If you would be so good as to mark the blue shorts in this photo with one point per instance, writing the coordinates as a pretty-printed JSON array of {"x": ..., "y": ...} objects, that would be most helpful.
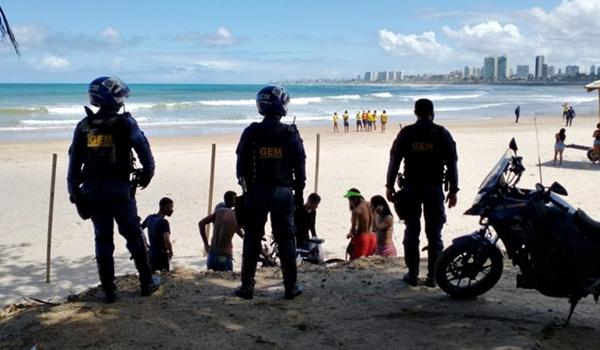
[{"x": 219, "y": 262}]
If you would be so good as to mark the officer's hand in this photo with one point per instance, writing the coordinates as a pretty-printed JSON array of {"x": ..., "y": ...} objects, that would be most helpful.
[
  {"x": 451, "y": 199},
  {"x": 389, "y": 194},
  {"x": 144, "y": 179},
  {"x": 170, "y": 254}
]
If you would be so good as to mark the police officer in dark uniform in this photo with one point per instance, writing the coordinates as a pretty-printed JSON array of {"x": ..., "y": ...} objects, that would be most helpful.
[
  {"x": 427, "y": 149},
  {"x": 270, "y": 164},
  {"x": 100, "y": 164}
]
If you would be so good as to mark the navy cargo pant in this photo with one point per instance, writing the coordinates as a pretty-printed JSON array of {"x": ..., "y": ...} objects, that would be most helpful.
[
  {"x": 112, "y": 201},
  {"x": 429, "y": 200},
  {"x": 279, "y": 202}
]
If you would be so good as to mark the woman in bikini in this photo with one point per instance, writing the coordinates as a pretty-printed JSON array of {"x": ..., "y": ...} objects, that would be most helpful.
[
  {"x": 383, "y": 226},
  {"x": 559, "y": 145}
]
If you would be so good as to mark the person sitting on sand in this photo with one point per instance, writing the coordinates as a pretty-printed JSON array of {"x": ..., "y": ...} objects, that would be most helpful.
[
  {"x": 596, "y": 136},
  {"x": 220, "y": 251},
  {"x": 383, "y": 224},
  {"x": 305, "y": 218},
  {"x": 362, "y": 240},
  {"x": 159, "y": 236},
  {"x": 559, "y": 145}
]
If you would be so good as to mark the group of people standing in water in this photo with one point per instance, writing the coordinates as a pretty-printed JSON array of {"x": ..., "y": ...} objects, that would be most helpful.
[{"x": 365, "y": 121}]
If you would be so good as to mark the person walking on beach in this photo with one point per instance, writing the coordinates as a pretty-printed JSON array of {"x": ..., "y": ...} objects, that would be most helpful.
[
  {"x": 270, "y": 164},
  {"x": 517, "y": 113},
  {"x": 570, "y": 116},
  {"x": 426, "y": 148},
  {"x": 335, "y": 122},
  {"x": 305, "y": 219},
  {"x": 596, "y": 136},
  {"x": 565, "y": 107},
  {"x": 359, "y": 121},
  {"x": 159, "y": 236},
  {"x": 220, "y": 249},
  {"x": 100, "y": 165},
  {"x": 383, "y": 224},
  {"x": 345, "y": 117},
  {"x": 362, "y": 240},
  {"x": 559, "y": 145},
  {"x": 384, "y": 120}
]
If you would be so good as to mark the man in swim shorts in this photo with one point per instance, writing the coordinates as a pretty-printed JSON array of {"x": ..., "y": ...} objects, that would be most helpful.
[{"x": 363, "y": 241}]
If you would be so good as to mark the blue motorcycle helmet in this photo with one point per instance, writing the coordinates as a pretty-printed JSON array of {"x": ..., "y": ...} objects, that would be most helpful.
[
  {"x": 272, "y": 101},
  {"x": 108, "y": 92}
]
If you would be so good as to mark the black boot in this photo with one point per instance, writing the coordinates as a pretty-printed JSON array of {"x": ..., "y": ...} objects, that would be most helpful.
[
  {"x": 289, "y": 270},
  {"x": 246, "y": 290},
  {"x": 106, "y": 272},
  {"x": 148, "y": 283},
  {"x": 432, "y": 256},
  {"x": 411, "y": 259}
]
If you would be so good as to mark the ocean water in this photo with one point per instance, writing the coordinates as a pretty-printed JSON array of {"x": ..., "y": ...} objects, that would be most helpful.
[{"x": 34, "y": 111}]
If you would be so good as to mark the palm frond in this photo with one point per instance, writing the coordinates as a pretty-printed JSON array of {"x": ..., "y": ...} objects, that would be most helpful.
[{"x": 6, "y": 32}]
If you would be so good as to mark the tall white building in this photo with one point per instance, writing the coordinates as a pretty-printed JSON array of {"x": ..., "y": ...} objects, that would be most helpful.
[
  {"x": 467, "y": 72},
  {"x": 539, "y": 63},
  {"x": 398, "y": 75},
  {"x": 381, "y": 76},
  {"x": 593, "y": 70},
  {"x": 502, "y": 70},
  {"x": 490, "y": 68}
]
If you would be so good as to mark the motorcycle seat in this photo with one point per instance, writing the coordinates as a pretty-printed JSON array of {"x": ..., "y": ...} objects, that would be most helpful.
[
  {"x": 316, "y": 240},
  {"x": 586, "y": 224}
]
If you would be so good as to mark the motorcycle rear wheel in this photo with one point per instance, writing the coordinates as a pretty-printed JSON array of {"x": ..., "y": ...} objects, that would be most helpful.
[{"x": 466, "y": 271}]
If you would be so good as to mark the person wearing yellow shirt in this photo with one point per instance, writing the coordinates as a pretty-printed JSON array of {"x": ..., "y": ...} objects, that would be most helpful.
[
  {"x": 374, "y": 120},
  {"x": 358, "y": 121},
  {"x": 369, "y": 120},
  {"x": 384, "y": 119},
  {"x": 335, "y": 122},
  {"x": 345, "y": 117},
  {"x": 364, "y": 120}
]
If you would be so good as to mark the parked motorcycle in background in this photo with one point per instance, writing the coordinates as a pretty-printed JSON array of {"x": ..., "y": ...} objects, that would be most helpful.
[{"x": 555, "y": 246}]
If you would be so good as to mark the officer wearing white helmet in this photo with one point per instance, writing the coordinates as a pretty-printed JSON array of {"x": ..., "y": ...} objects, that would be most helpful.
[
  {"x": 270, "y": 165},
  {"x": 100, "y": 165}
]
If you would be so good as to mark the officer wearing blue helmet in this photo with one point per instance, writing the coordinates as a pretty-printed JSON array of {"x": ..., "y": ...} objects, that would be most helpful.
[
  {"x": 270, "y": 164},
  {"x": 100, "y": 165}
]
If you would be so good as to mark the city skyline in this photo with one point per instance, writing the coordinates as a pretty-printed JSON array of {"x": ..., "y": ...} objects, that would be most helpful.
[{"x": 237, "y": 41}]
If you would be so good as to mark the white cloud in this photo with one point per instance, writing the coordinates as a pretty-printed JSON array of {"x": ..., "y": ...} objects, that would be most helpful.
[
  {"x": 568, "y": 32},
  {"x": 487, "y": 38},
  {"x": 51, "y": 63},
  {"x": 111, "y": 36},
  {"x": 222, "y": 37},
  {"x": 116, "y": 63},
  {"x": 31, "y": 35},
  {"x": 403, "y": 45}
]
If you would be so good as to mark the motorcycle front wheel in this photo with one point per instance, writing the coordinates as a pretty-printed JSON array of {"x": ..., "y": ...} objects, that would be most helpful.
[{"x": 468, "y": 270}]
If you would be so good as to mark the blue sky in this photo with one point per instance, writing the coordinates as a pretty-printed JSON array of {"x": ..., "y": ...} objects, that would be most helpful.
[{"x": 258, "y": 41}]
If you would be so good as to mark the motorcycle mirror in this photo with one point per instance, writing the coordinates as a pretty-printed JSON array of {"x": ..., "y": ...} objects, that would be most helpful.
[
  {"x": 513, "y": 145},
  {"x": 558, "y": 189}
]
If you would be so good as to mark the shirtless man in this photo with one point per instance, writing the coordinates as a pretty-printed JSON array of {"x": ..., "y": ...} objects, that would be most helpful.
[
  {"x": 220, "y": 250},
  {"x": 362, "y": 240}
]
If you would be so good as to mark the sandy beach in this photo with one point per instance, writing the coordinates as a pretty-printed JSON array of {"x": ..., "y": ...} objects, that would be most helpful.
[{"x": 182, "y": 173}]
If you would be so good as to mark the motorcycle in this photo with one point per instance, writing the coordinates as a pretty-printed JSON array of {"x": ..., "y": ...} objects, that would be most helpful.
[
  {"x": 555, "y": 246},
  {"x": 311, "y": 253}
]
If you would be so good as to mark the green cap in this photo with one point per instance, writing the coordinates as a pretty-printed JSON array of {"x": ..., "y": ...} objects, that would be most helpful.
[{"x": 352, "y": 194}]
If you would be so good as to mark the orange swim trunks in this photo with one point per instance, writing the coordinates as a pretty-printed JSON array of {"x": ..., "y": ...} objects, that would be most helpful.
[{"x": 363, "y": 244}]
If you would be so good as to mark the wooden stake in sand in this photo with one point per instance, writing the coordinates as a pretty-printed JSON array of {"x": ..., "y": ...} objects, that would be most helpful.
[
  {"x": 50, "y": 215},
  {"x": 317, "y": 163},
  {"x": 211, "y": 186}
]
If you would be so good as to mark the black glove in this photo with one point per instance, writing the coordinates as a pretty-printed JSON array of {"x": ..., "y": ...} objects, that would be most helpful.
[
  {"x": 299, "y": 198},
  {"x": 144, "y": 179}
]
